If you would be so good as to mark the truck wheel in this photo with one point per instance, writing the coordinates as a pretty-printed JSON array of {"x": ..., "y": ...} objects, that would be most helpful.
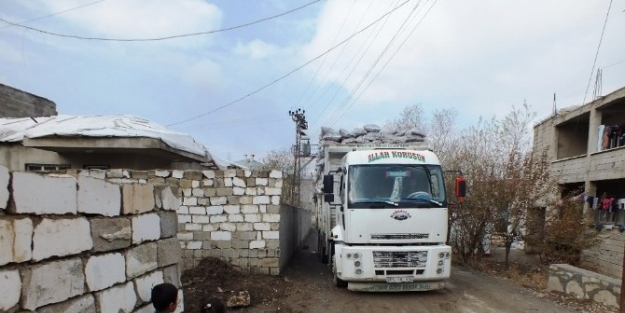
[{"x": 336, "y": 280}]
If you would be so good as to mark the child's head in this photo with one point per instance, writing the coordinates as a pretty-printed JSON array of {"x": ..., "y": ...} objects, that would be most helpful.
[
  {"x": 214, "y": 305},
  {"x": 165, "y": 297}
]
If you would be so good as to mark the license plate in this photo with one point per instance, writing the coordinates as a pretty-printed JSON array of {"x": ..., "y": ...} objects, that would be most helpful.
[{"x": 403, "y": 279}]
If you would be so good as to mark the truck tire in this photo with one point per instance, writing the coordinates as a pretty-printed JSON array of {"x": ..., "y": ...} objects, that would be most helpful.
[{"x": 335, "y": 279}]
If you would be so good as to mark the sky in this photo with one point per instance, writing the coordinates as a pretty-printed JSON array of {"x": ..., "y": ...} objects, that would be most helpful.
[{"x": 363, "y": 64}]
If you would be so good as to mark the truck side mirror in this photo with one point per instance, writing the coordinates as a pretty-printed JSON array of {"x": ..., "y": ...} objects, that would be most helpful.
[
  {"x": 328, "y": 198},
  {"x": 328, "y": 184},
  {"x": 461, "y": 188}
]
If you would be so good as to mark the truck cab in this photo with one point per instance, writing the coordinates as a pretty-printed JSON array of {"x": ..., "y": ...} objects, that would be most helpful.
[{"x": 386, "y": 221}]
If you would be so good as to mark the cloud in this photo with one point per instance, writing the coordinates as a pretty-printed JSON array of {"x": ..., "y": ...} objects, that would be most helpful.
[
  {"x": 205, "y": 75},
  {"x": 480, "y": 57},
  {"x": 258, "y": 49}
]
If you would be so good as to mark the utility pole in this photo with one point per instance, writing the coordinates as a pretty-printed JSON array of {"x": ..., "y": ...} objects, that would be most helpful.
[{"x": 301, "y": 125}]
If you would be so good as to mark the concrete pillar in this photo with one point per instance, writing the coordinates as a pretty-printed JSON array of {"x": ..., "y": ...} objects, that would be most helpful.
[{"x": 593, "y": 134}]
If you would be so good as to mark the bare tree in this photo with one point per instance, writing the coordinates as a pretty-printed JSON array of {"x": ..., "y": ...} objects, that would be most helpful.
[
  {"x": 411, "y": 117},
  {"x": 284, "y": 161}
]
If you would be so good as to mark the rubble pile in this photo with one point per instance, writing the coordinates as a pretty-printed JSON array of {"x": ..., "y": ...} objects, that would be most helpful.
[{"x": 369, "y": 134}]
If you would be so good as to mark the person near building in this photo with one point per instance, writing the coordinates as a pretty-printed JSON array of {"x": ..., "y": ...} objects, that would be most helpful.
[{"x": 164, "y": 298}]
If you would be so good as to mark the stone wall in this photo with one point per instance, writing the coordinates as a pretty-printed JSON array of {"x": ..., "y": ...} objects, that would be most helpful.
[
  {"x": 607, "y": 257},
  {"x": 77, "y": 243},
  {"x": 233, "y": 215},
  {"x": 584, "y": 284},
  {"x": 17, "y": 103}
]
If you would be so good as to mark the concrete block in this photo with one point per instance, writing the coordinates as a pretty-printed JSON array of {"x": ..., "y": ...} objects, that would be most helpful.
[
  {"x": 275, "y": 174},
  {"x": 246, "y": 200},
  {"x": 39, "y": 194},
  {"x": 168, "y": 251},
  {"x": 180, "y": 307},
  {"x": 96, "y": 196},
  {"x": 84, "y": 304},
  {"x": 219, "y": 218},
  {"x": 275, "y": 200},
  {"x": 171, "y": 274},
  {"x": 272, "y": 191},
  {"x": 232, "y": 209},
  {"x": 261, "y": 200},
  {"x": 227, "y": 182},
  {"x": 190, "y": 201},
  {"x": 230, "y": 173},
  {"x": 194, "y": 245},
  {"x": 207, "y": 183},
  {"x": 138, "y": 199},
  {"x": 198, "y": 192},
  {"x": 184, "y": 236},
  {"x": 215, "y": 209},
  {"x": 110, "y": 233},
  {"x": 210, "y": 227},
  {"x": 162, "y": 173},
  {"x": 198, "y": 210},
  {"x": 149, "y": 308},
  {"x": 201, "y": 219},
  {"x": 262, "y": 208},
  {"x": 209, "y": 174},
  {"x": 5, "y": 177},
  {"x": 249, "y": 208},
  {"x": 170, "y": 201},
  {"x": 235, "y": 218},
  {"x": 273, "y": 243},
  {"x": 15, "y": 240},
  {"x": 61, "y": 237},
  {"x": 278, "y": 183},
  {"x": 238, "y": 191},
  {"x": 183, "y": 219},
  {"x": 271, "y": 235},
  {"x": 104, "y": 271},
  {"x": 221, "y": 235},
  {"x": 218, "y": 200},
  {"x": 192, "y": 227},
  {"x": 195, "y": 184},
  {"x": 261, "y": 181},
  {"x": 271, "y": 218},
  {"x": 119, "y": 299},
  {"x": 169, "y": 223},
  {"x": 244, "y": 226},
  {"x": 257, "y": 244},
  {"x": 262, "y": 226},
  {"x": 177, "y": 174},
  {"x": 238, "y": 182},
  {"x": 145, "y": 283},
  {"x": 146, "y": 227},
  {"x": 273, "y": 209},
  {"x": 250, "y": 191},
  {"x": 141, "y": 259},
  {"x": 52, "y": 283},
  {"x": 260, "y": 191},
  {"x": 183, "y": 210},
  {"x": 187, "y": 192},
  {"x": 10, "y": 286},
  {"x": 228, "y": 227},
  {"x": 252, "y": 218}
]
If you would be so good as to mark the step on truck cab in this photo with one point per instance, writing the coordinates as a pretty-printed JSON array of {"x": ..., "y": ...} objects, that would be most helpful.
[{"x": 382, "y": 218}]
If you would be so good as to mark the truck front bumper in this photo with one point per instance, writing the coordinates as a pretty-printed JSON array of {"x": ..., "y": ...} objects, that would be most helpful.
[{"x": 409, "y": 267}]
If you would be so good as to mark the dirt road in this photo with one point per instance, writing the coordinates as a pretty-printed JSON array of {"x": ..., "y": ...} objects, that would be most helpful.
[{"x": 468, "y": 291}]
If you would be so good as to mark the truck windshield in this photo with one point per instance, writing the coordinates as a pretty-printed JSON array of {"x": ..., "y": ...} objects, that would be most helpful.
[{"x": 373, "y": 186}]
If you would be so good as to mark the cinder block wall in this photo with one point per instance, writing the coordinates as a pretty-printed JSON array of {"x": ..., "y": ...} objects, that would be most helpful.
[
  {"x": 607, "y": 257},
  {"x": 77, "y": 243}
]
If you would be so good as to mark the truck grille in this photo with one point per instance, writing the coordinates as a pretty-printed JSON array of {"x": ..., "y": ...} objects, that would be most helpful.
[
  {"x": 399, "y": 236},
  {"x": 396, "y": 259}
]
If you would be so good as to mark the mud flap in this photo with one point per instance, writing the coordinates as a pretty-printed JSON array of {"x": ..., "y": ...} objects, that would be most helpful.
[{"x": 385, "y": 287}]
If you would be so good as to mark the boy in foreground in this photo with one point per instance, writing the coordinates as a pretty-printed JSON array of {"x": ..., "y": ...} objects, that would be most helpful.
[{"x": 165, "y": 298}]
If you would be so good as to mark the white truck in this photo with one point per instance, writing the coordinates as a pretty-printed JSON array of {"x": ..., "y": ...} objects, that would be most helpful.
[{"x": 382, "y": 217}]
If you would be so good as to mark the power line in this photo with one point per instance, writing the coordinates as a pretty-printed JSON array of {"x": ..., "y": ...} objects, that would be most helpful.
[
  {"x": 292, "y": 71},
  {"x": 355, "y": 66},
  {"x": 51, "y": 15},
  {"x": 161, "y": 38},
  {"x": 325, "y": 57},
  {"x": 616, "y": 63},
  {"x": 334, "y": 117},
  {"x": 388, "y": 61}
]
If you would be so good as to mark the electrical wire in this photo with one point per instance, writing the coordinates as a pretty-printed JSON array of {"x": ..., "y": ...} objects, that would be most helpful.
[
  {"x": 354, "y": 68},
  {"x": 292, "y": 71},
  {"x": 388, "y": 61},
  {"x": 332, "y": 120},
  {"x": 613, "y": 64},
  {"x": 51, "y": 15},
  {"x": 160, "y": 38},
  {"x": 337, "y": 59},
  {"x": 325, "y": 57}
]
